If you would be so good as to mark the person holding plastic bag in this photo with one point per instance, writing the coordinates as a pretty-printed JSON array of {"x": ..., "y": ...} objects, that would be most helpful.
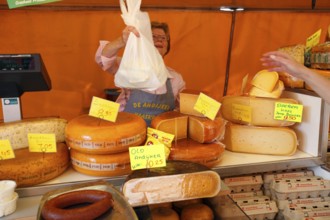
[{"x": 143, "y": 102}]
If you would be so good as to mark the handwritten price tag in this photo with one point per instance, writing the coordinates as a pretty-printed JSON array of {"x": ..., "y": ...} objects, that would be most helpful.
[
  {"x": 207, "y": 106},
  {"x": 6, "y": 151},
  {"x": 147, "y": 156},
  {"x": 42, "y": 143},
  {"x": 288, "y": 112},
  {"x": 104, "y": 109},
  {"x": 313, "y": 40},
  {"x": 241, "y": 112}
]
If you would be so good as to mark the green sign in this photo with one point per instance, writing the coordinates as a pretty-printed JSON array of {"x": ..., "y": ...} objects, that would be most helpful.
[{"x": 23, "y": 3}]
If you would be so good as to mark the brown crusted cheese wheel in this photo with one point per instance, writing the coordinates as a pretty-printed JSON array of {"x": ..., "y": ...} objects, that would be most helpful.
[
  {"x": 189, "y": 150},
  {"x": 164, "y": 213},
  {"x": 93, "y": 135},
  {"x": 101, "y": 165},
  {"x": 31, "y": 168},
  {"x": 197, "y": 211}
]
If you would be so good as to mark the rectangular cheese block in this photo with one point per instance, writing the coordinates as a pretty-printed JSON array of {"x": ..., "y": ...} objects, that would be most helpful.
[
  {"x": 260, "y": 140},
  {"x": 188, "y": 99},
  {"x": 17, "y": 131},
  {"x": 205, "y": 130},
  {"x": 260, "y": 110},
  {"x": 171, "y": 122}
]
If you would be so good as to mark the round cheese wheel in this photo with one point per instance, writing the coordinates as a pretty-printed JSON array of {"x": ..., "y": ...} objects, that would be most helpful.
[
  {"x": 196, "y": 212},
  {"x": 163, "y": 213},
  {"x": 31, "y": 168},
  {"x": 208, "y": 154},
  {"x": 106, "y": 165},
  {"x": 93, "y": 135}
]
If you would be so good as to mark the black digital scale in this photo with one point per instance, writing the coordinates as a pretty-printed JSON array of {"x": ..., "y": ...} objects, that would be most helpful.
[{"x": 20, "y": 73}]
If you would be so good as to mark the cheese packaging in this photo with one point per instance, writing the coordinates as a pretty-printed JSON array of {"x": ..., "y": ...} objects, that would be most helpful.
[
  {"x": 17, "y": 131},
  {"x": 92, "y": 135},
  {"x": 260, "y": 140},
  {"x": 31, "y": 168},
  {"x": 188, "y": 99},
  {"x": 207, "y": 154},
  {"x": 205, "y": 130},
  {"x": 171, "y": 122},
  {"x": 187, "y": 181},
  {"x": 265, "y": 80},
  {"x": 276, "y": 93},
  {"x": 297, "y": 52},
  {"x": 259, "y": 110}
]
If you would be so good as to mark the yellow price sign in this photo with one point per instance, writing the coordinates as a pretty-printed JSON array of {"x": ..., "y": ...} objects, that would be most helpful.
[
  {"x": 6, "y": 151},
  {"x": 104, "y": 109},
  {"x": 241, "y": 112},
  {"x": 147, "y": 156},
  {"x": 313, "y": 40},
  {"x": 207, "y": 106},
  {"x": 288, "y": 112},
  {"x": 42, "y": 143}
]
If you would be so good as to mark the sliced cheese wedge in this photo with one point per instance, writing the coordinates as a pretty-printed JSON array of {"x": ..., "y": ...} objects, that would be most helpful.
[
  {"x": 261, "y": 110},
  {"x": 188, "y": 99},
  {"x": 276, "y": 93},
  {"x": 260, "y": 140},
  {"x": 265, "y": 80},
  {"x": 17, "y": 131},
  {"x": 179, "y": 180},
  {"x": 205, "y": 130},
  {"x": 171, "y": 122}
]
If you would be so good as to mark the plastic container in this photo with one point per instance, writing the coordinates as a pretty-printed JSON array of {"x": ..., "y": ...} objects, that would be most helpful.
[
  {"x": 7, "y": 189},
  {"x": 8, "y": 207}
]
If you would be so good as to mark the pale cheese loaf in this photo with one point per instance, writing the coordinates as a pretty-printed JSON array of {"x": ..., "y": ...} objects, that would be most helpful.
[
  {"x": 17, "y": 132},
  {"x": 276, "y": 93},
  {"x": 188, "y": 99},
  {"x": 260, "y": 140},
  {"x": 31, "y": 168},
  {"x": 205, "y": 130},
  {"x": 261, "y": 110},
  {"x": 89, "y": 134},
  {"x": 106, "y": 165},
  {"x": 171, "y": 122}
]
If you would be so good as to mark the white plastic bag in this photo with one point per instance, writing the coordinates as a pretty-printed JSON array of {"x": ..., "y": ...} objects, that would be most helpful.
[{"x": 142, "y": 66}]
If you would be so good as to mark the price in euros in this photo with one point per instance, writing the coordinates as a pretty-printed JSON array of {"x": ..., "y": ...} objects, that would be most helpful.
[{"x": 153, "y": 163}]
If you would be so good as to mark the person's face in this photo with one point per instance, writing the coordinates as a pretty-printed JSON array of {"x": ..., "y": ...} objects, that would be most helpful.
[{"x": 160, "y": 40}]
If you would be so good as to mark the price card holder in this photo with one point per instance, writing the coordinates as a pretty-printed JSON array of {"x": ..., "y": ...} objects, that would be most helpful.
[
  {"x": 45, "y": 143},
  {"x": 241, "y": 112},
  {"x": 104, "y": 109},
  {"x": 288, "y": 112},
  {"x": 143, "y": 157},
  {"x": 207, "y": 106},
  {"x": 6, "y": 151}
]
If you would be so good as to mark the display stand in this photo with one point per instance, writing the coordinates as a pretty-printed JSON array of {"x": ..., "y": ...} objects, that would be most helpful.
[{"x": 20, "y": 73}]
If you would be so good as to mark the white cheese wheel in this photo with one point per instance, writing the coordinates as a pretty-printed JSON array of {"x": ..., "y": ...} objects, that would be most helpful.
[
  {"x": 261, "y": 110},
  {"x": 260, "y": 140},
  {"x": 106, "y": 165},
  {"x": 97, "y": 136},
  {"x": 205, "y": 130},
  {"x": 171, "y": 122},
  {"x": 17, "y": 131},
  {"x": 31, "y": 168},
  {"x": 208, "y": 154}
]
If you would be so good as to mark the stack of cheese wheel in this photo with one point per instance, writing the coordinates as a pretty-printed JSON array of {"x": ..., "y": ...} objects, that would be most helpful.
[
  {"x": 258, "y": 132},
  {"x": 196, "y": 137},
  {"x": 31, "y": 168},
  {"x": 99, "y": 147}
]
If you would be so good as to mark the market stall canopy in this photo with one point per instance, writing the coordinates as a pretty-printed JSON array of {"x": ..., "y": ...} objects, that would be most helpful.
[{"x": 209, "y": 4}]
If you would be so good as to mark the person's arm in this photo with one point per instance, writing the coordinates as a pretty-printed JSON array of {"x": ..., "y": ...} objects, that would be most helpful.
[
  {"x": 282, "y": 62},
  {"x": 106, "y": 54}
]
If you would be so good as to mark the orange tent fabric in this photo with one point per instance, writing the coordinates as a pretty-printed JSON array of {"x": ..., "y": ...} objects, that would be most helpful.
[{"x": 67, "y": 41}]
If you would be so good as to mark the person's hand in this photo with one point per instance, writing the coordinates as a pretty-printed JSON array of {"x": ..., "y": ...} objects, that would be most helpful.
[
  {"x": 127, "y": 31},
  {"x": 282, "y": 62}
]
